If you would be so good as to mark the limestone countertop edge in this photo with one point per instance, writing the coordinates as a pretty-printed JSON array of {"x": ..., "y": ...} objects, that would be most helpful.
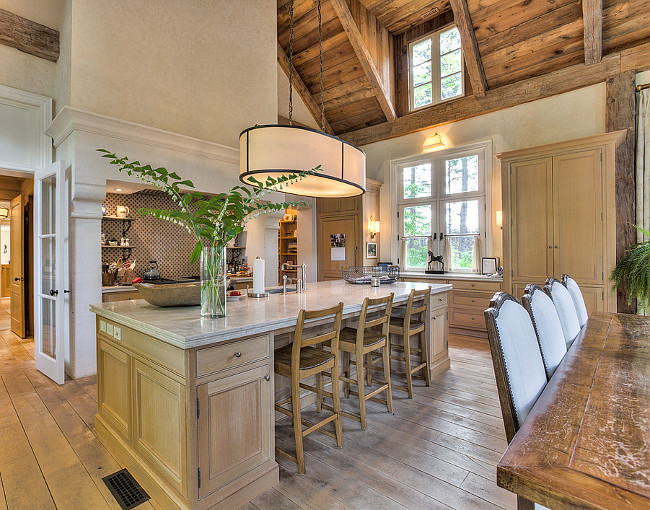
[{"x": 211, "y": 337}]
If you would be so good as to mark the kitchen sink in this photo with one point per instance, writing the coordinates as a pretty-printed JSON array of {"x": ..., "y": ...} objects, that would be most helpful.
[{"x": 279, "y": 290}]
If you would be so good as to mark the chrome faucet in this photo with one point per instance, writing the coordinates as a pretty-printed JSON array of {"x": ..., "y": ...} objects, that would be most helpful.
[
  {"x": 300, "y": 282},
  {"x": 284, "y": 284}
]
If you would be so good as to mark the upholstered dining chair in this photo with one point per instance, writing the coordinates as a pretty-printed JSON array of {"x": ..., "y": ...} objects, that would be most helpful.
[
  {"x": 518, "y": 365},
  {"x": 548, "y": 328},
  {"x": 565, "y": 309},
  {"x": 579, "y": 301}
]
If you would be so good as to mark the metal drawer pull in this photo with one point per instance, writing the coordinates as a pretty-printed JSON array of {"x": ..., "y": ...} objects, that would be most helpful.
[
  {"x": 238, "y": 354},
  {"x": 267, "y": 377}
]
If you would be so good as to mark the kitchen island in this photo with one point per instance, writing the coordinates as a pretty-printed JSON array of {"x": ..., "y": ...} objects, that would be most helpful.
[{"x": 187, "y": 403}]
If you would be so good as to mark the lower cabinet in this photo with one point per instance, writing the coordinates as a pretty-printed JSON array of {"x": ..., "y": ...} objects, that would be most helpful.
[
  {"x": 439, "y": 334},
  {"x": 228, "y": 446},
  {"x": 594, "y": 296},
  {"x": 114, "y": 387}
]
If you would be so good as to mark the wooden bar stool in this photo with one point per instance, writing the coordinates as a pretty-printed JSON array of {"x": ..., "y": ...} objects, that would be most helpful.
[
  {"x": 412, "y": 323},
  {"x": 304, "y": 358},
  {"x": 368, "y": 337}
]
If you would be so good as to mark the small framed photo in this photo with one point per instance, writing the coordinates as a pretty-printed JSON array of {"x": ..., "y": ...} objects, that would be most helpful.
[
  {"x": 371, "y": 250},
  {"x": 489, "y": 265}
]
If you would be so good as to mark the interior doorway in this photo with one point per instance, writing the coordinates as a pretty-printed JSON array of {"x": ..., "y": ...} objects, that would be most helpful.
[{"x": 16, "y": 254}]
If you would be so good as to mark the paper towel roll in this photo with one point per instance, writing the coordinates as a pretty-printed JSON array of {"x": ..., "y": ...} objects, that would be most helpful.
[{"x": 258, "y": 276}]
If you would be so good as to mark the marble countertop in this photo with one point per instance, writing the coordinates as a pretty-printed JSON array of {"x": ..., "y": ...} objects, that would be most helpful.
[
  {"x": 118, "y": 288},
  {"x": 451, "y": 276},
  {"x": 185, "y": 328}
]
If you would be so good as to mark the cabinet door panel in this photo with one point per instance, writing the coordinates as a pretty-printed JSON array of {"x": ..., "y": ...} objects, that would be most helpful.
[
  {"x": 160, "y": 423},
  {"x": 329, "y": 268},
  {"x": 114, "y": 388},
  {"x": 439, "y": 331},
  {"x": 532, "y": 219},
  {"x": 578, "y": 225},
  {"x": 593, "y": 297},
  {"x": 234, "y": 427}
]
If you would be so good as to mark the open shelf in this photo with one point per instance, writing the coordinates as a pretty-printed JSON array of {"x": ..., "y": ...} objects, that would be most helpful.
[
  {"x": 117, "y": 218},
  {"x": 118, "y": 246}
]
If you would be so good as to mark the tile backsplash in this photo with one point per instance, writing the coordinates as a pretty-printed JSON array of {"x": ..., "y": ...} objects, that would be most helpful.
[{"x": 151, "y": 238}]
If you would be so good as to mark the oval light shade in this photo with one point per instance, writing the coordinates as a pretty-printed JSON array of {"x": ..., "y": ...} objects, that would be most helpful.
[{"x": 275, "y": 150}]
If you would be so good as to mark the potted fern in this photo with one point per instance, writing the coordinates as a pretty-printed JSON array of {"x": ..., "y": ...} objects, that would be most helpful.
[
  {"x": 213, "y": 221},
  {"x": 632, "y": 273}
]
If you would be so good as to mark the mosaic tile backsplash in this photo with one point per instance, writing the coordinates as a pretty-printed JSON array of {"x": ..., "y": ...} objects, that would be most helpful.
[{"x": 151, "y": 238}]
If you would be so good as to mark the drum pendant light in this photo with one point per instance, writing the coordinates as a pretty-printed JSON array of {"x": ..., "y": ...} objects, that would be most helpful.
[{"x": 275, "y": 150}]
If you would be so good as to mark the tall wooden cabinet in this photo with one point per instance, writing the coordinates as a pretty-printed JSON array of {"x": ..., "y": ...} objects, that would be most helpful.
[
  {"x": 559, "y": 216},
  {"x": 347, "y": 216}
]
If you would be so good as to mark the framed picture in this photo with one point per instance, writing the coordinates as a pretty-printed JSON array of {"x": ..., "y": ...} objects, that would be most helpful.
[
  {"x": 371, "y": 250},
  {"x": 489, "y": 265}
]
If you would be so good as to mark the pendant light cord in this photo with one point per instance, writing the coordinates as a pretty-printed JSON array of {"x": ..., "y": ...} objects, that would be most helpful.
[
  {"x": 291, "y": 62},
  {"x": 320, "y": 54}
]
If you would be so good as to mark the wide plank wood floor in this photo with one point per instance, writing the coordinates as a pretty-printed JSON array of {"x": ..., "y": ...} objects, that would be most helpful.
[{"x": 438, "y": 450}]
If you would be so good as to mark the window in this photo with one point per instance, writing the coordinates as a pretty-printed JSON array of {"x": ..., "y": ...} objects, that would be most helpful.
[
  {"x": 440, "y": 198},
  {"x": 436, "y": 68}
]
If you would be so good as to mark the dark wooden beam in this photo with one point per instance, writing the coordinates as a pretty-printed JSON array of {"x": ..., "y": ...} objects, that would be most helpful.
[
  {"x": 365, "y": 58},
  {"x": 28, "y": 36},
  {"x": 302, "y": 90},
  {"x": 592, "y": 16},
  {"x": 470, "y": 47},
  {"x": 557, "y": 82},
  {"x": 620, "y": 111}
]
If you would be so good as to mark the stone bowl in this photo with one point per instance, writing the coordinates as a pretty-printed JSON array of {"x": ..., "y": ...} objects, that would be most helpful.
[{"x": 171, "y": 294}]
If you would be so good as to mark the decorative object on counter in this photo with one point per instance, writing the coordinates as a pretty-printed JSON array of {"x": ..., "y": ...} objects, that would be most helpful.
[
  {"x": 258, "y": 279},
  {"x": 489, "y": 265},
  {"x": 214, "y": 221},
  {"x": 375, "y": 281},
  {"x": 439, "y": 259},
  {"x": 371, "y": 250},
  {"x": 171, "y": 294},
  {"x": 122, "y": 211},
  {"x": 364, "y": 274},
  {"x": 154, "y": 271}
]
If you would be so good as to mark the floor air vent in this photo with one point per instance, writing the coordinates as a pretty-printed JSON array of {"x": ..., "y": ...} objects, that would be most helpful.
[{"x": 125, "y": 489}]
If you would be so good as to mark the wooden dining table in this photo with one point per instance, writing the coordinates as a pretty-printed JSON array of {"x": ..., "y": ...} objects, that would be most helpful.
[{"x": 586, "y": 442}]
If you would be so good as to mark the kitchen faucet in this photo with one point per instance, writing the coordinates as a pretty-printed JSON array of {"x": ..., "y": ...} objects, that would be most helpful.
[{"x": 300, "y": 282}]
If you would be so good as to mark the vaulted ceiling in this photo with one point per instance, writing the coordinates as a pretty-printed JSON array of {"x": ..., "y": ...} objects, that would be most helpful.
[{"x": 513, "y": 51}]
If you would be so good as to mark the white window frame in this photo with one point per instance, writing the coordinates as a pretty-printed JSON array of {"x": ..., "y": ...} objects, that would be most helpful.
[
  {"x": 436, "y": 92},
  {"x": 438, "y": 199}
]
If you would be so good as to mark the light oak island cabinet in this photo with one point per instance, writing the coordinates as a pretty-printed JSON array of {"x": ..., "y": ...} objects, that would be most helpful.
[{"x": 559, "y": 216}]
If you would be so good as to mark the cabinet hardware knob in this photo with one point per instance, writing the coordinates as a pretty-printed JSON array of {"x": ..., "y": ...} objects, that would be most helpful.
[
  {"x": 473, "y": 301},
  {"x": 473, "y": 318},
  {"x": 473, "y": 285},
  {"x": 238, "y": 354},
  {"x": 267, "y": 377},
  {"x": 550, "y": 247},
  {"x": 556, "y": 247}
]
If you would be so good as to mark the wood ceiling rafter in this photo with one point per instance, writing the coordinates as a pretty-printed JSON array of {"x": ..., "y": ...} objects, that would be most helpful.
[
  {"x": 365, "y": 58},
  {"x": 470, "y": 47},
  {"x": 28, "y": 36},
  {"x": 302, "y": 90},
  {"x": 592, "y": 14}
]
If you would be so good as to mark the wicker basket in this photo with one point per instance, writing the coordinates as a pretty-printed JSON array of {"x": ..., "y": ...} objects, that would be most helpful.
[{"x": 362, "y": 274}]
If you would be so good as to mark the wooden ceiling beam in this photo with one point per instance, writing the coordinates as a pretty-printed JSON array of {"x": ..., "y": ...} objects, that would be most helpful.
[
  {"x": 365, "y": 58},
  {"x": 302, "y": 90},
  {"x": 532, "y": 89},
  {"x": 592, "y": 15},
  {"x": 470, "y": 47},
  {"x": 28, "y": 36}
]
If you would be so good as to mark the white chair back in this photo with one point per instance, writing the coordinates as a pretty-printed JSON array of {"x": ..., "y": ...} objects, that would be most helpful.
[
  {"x": 547, "y": 327},
  {"x": 578, "y": 301},
  {"x": 517, "y": 360},
  {"x": 565, "y": 309}
]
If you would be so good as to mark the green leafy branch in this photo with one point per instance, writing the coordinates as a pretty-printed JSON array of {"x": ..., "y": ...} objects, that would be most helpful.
[
  {"x": 212, "y": 220},
  {"x": 632, "y": 273}
]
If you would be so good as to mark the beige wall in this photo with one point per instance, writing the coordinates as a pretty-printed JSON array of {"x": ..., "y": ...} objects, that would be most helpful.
[
  {"x": 563, "y": 117},
  {"x": 204, "y": 69}
]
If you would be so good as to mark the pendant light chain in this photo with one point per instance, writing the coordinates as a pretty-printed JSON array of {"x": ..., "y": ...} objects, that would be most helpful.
[
  {"x": 291, "y": 63},
  {"x": 320, "y": 54}
]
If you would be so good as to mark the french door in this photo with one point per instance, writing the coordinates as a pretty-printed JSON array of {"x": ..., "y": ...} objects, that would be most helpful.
[{"x": 50, "y": 247}]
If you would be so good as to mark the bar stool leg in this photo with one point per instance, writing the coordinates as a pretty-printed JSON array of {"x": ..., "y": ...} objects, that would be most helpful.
[
  {"x": 368, "y": 362},
  {"x": 424, "y": 349},
  {"x": 389, "y": 390},
  {"x": 407, "y": 363},
  {"x": 319, "y": 396},
  {"x": 336, "y": 397},
  {"x": 297, "y": 423},
  {"x": 346, "y": 371},
  {"x": 361, "y": 389}
]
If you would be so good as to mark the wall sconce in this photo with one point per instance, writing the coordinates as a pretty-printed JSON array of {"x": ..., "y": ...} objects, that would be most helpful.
[
  {"x": 433, "y": 142},
  {"x": 4, "y": 213},
  {"x": 500, "y": 219},
  {"x": 373, "y": 227}
]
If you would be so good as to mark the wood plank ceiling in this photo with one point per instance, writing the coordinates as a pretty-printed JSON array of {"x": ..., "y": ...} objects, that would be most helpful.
[{"x": 506, "y": 42}]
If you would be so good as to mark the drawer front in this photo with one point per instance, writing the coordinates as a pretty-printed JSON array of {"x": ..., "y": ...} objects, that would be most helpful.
[
  {"x": 221, "y": 357},
  {"x": 467, "y": 319},
  {"x": 475, "y": 300},
  {"x": 439, "y": 300},
  {"x": 476, "y": 285}
]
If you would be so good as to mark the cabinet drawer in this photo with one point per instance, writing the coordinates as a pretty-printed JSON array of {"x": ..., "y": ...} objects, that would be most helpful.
[
  {"x": 475, "y": 300},
  {"x": 467, "y": 319},
  {"x": 214, "y": 359},
  {"x": 439, "y": 300},
  {"x": 476, "y": 285}
]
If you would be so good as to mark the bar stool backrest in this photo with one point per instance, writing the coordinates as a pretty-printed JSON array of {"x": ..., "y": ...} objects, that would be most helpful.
[
  {"x": 381, "y": 322},
  {"x": 517, "y": 360},
  {"x": 547, "y": 327},
  {"x": 332, "y": 331},
  {"x": 417, "y": 307},
  {"x": 579, "y": 302},
  {"x": 565, "y": 308}
]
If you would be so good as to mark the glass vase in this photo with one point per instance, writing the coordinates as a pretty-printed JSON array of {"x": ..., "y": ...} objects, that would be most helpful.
[{"x": 213, "y": 282}]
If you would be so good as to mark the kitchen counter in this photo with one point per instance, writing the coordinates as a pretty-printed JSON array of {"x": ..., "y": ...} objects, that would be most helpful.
[
  {"x": 451, "y": 276},
  {"x": 187, "y": 404},
  {"x": 117, "y": 288}
]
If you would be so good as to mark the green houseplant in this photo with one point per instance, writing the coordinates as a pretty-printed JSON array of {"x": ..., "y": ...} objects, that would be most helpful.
[
  {"x": 632, "y": 272},
  {"x": 213, "y": 221}
]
